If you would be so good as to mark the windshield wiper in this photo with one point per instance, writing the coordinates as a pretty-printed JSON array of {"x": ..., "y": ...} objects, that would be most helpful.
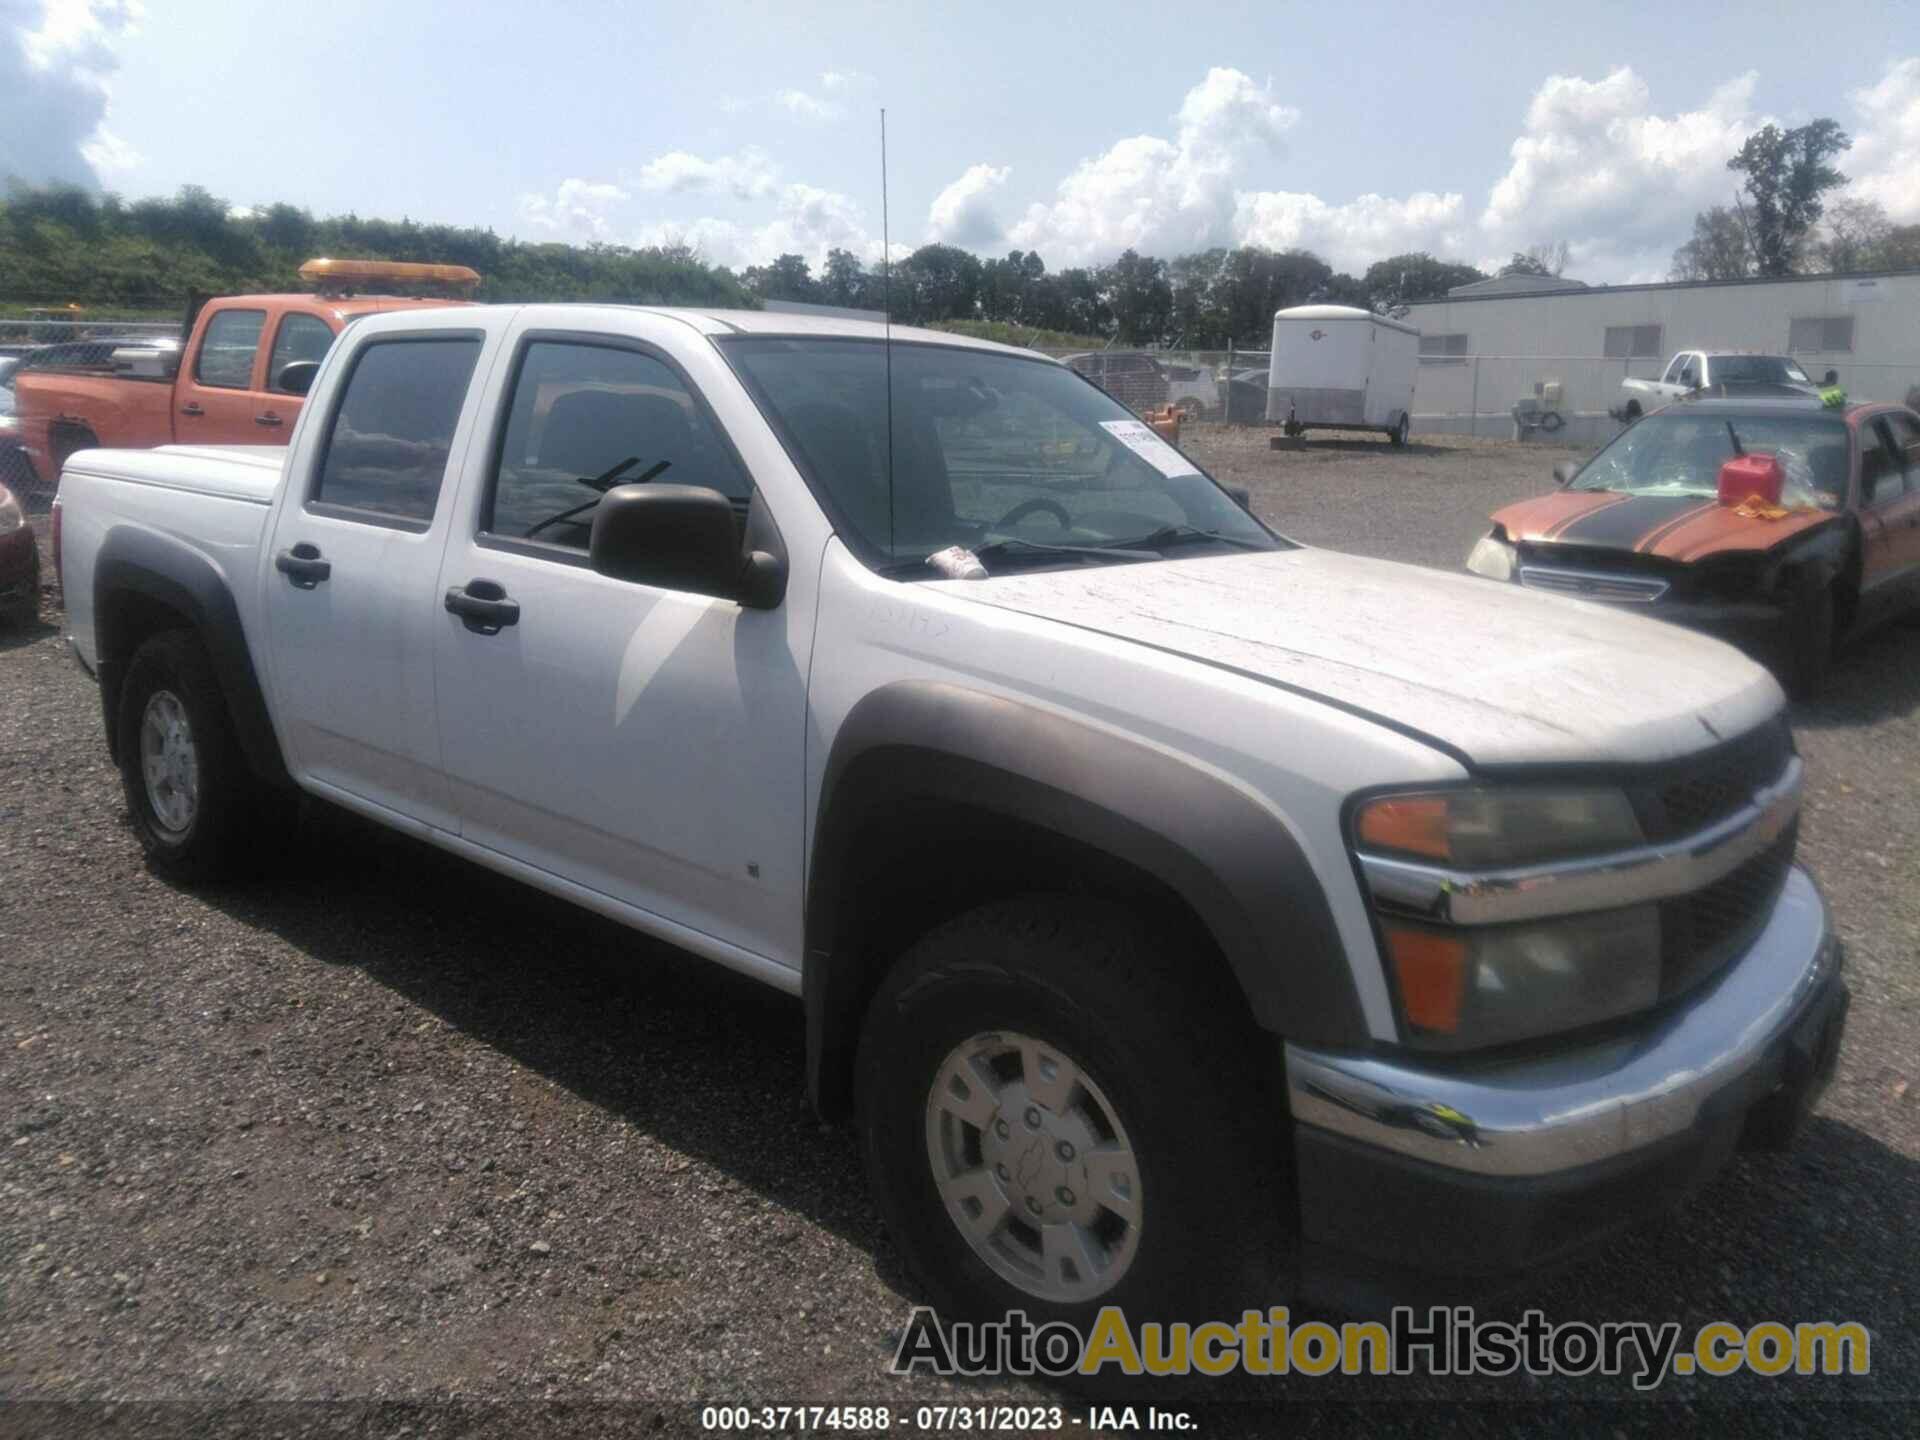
[
  {"x": 602, "y": 483},
  {"x": 1014, "y": 548},
  {"x": 1168, "y": 536}
]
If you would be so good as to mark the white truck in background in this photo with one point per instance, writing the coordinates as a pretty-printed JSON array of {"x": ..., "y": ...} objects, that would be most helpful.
[
  {"x": 1186, "y": 916},
  {"x": 1691, "y": 371}
]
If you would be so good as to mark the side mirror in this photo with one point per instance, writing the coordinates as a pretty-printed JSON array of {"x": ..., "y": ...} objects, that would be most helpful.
[
  {"x": 1564, "y": 472},
  {"x": 1242, "y": 496},
  {"x": 680, "y": 537},
  {"x": 296, "y": 377}
]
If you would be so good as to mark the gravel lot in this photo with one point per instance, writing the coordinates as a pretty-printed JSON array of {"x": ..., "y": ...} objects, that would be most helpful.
[{"x": 384, "y": 1126}]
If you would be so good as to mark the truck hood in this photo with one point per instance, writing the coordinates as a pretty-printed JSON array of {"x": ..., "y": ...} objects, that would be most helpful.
[
  {"x": 1502, "y": 675},
  {"x": 234, "y": 472},
  {"x": 1674, "y": 527}
]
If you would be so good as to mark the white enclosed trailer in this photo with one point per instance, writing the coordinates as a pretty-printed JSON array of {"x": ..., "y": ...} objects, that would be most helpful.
[{"x": 1335, "y": 367}]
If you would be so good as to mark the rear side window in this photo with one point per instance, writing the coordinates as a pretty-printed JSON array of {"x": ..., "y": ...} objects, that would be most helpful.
[
  {"x": 580, "y": 411},
  {"x": 227, "y": 348},
  {"x": 387, "y": 447},
  {"x": 300, "y": 337}
]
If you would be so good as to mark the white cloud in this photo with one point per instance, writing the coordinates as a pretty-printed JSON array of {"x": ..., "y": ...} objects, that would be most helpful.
[
  {"x": 1595, "y": 166},
  {"x": 839, "y": 80},
  {"x": 1885, "y": 160},
  {"x": 1352, "y": 235},
  {"x": 577, "y": 209},
  {"x": 746, "y": 176},
  {"x": 963, "y": 214},
  {"x": 808, "y": 222},
  {"x": 57, "y": 61},
  {"x": 803, "y": 106},
  {"x": 1163, "y": 196}
]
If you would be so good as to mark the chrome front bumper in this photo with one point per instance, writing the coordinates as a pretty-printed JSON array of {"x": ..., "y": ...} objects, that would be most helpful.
[{"x": 1542, "y": 1117}]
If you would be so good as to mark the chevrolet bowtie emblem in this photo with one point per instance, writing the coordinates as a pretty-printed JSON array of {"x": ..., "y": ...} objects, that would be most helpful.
[{"x": 1316, "y": 335}]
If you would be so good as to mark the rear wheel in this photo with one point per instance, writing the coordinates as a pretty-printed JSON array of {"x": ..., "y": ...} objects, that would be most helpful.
[
  {"x": 199, "y": 812},
  {"x": 1054, "y": 1123}
]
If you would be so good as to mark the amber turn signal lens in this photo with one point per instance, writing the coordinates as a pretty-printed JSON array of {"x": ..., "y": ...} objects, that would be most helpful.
[
  {"x": 1432, "y": 974},
  {"x": 1413, "y": 823}
]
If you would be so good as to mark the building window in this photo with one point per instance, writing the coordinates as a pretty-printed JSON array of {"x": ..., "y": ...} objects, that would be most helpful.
[
  {"x": 1633, "y": 342},
  {"x": 1443, "y": 349},
  {"x": 1821, "y": 335}
]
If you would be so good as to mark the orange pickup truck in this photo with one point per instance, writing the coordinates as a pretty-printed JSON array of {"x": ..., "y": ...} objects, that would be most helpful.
[{"x": 240, "y": 379}]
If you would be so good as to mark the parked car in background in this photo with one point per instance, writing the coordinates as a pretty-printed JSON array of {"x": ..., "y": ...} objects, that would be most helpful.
[
  {"x": 1143, "y": 382},
  {"x": 19, "y": 562},
  {"x": 14, "y": 469},
  {"x": 238, "y": 379},
  {"x": 1722, "y": 370},
  {"x": 1784, "y": 564},
  {"x": 1173, "y": 909}
]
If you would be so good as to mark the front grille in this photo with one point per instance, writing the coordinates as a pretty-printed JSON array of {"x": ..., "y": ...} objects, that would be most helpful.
[
  {"x": 1682, "y": 799},
  {"x": 1593, "y": 585},
  {"x": 1701, "y": 932}
]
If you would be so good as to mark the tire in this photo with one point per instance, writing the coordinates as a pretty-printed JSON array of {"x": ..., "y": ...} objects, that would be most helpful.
[
  {"x": 1809, "y": 642},
  {"x": 1633, "y": 411},
  {"x": 1398, "y": 434},
  {"x": 203, "y": 815},
  {"x": 1159, "y": 1075}
]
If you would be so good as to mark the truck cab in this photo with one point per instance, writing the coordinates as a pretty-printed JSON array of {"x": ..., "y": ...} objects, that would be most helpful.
[
  {"x": 240, "y": 379},
  {"x": 1691, "y": 371}
]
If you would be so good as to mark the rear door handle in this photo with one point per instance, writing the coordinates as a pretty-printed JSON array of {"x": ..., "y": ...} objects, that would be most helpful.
[
  {"x": 302, "y": 566},
  {"x": 483, "y": 606},
  {"x": 191, "y": 408},
  {"x": 268, "y": 419}
]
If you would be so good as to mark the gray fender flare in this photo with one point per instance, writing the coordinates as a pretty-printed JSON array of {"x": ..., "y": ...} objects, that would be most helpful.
[
  {"x": 138, "y": 564},
  {"x": 1226, "y": 856}
]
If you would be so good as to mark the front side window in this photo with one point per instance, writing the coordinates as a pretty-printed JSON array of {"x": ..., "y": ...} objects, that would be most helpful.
[
  {"x": 1880, "y": 469},
  {"x": 1018, "y": 459},
  {"x": 300, "y": 337},
  {"x": 1681, "y": 455},
  {"x": 585, "y": 418},
  {"x": 227, "y": 349},
  {"x": 386, "y": 451},
  {"x": 1677, "y": 369}
]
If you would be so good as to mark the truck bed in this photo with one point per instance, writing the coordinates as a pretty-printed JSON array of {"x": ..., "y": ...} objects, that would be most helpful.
[{"x": 214, "y": 497}]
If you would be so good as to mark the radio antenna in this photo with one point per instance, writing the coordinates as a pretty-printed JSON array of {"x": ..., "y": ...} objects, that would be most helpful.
[{"x": 886, "y": 301}]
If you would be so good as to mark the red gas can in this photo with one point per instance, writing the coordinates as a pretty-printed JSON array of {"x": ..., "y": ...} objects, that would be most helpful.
[{"x": 1746, "y": 476}]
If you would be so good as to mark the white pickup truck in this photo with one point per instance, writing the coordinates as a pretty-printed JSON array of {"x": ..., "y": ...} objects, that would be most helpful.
[
  {"x": 1691, "y": 371},
  {"x": 1179, "y": 910}
]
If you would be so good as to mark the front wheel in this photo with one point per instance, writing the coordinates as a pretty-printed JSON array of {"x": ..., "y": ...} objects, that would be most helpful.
[
  {"x": 197, "y": 809},
  {"x": 1053, "y": 1122},
  {"x": 1809, "y": 641}
]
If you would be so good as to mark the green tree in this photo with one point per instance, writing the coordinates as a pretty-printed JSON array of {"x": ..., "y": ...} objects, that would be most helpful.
[
  {"x": 1788, "y": 176},
  {"x": 1402, "y": 279},
  {"x": 788, "y": 278},
  {"x": 1717, "y": 251},
  {"x": 1854, "y": 236}
]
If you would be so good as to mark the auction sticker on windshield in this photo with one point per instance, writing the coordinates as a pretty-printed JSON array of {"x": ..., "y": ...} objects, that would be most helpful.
[{"x": 1139, "y": 438}]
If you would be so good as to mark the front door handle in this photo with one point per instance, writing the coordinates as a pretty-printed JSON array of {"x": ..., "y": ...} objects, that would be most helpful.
[
  {"x": 302, "y": 566},
  {"x": 483, "y": 606},
  {"x": 192, "y": 407},
  {"x": 268, "y": 419}
]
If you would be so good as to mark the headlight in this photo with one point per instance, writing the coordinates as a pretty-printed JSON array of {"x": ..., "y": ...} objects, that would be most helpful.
[
  {"x": 1492, "y": 826},
  {"x": 1493, "y": 558},
  {"x": 1464, "y": 988},
  {"x": 11, "y": 517},
  {"x": 1461, "y": 987}
]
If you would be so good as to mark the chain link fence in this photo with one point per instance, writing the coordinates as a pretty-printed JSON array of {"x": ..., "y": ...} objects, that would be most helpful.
[{"x": 1229, "y": 385}]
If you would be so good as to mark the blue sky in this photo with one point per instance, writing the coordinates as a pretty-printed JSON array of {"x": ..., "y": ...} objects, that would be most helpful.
[{"x": 748, "y": 129}]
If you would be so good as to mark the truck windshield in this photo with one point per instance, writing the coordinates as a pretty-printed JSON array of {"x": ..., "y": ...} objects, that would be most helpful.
[
  {"x": 1668, "y": 454},
  {"x": 1019, "y": 458}
]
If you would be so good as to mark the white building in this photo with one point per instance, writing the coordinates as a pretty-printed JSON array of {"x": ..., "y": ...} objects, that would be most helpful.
[{"x": 1487, "y": 346}]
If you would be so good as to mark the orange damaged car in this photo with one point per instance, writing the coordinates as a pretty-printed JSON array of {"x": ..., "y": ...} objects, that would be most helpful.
[{"x": 1778, "y": 524}]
